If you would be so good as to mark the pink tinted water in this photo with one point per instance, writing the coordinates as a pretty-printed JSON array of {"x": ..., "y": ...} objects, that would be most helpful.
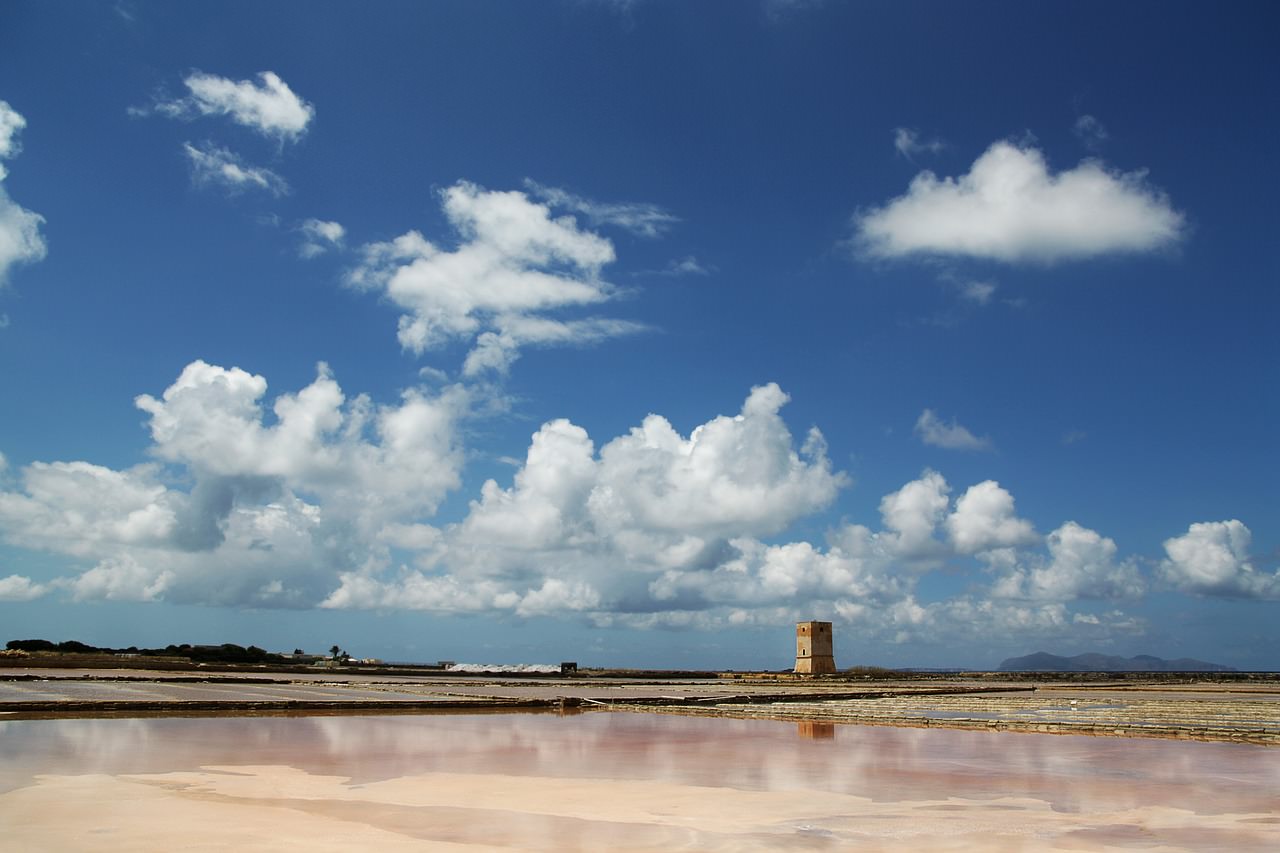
[{"x": 1072, "y": 774}]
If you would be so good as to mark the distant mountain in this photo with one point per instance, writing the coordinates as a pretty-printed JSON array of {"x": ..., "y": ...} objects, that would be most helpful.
[{"x": 1045, "y": 662}]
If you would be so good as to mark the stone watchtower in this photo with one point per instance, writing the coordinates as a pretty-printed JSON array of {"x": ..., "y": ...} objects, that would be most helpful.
[{"x": 814, "y": 653}]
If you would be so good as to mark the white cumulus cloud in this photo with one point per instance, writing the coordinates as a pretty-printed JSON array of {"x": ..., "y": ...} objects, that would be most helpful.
[
  {"x": 912, "y": 514},
  {"x": 1010, "y": 207},
  {"x": 20, "y": 238},
  {"x": 516, "y": 262},
  {"x": 371, "y": 463},
  {"x": 121, "y": 579},
  {"x": 21, "y": 588},
  {"x": 1212, "y": 558},
  {"x": 241, "y": 508},
  {"x": 984, "y": 519},
  {"x": 313, "y": 499},
  {"x": 605, "y": 525},
  {"x": 1082, "y": 564},
  {"x": 730, "y": 476},
  {"x": 11, "y": 125},
  {"x": 79, "y": 507}
]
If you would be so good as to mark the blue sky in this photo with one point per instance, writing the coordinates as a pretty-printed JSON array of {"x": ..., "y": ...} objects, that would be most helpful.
[{"x": 633, "y": 332}]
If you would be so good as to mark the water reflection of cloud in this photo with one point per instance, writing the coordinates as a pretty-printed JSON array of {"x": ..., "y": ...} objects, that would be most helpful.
[{"x": 879, "y": 763}]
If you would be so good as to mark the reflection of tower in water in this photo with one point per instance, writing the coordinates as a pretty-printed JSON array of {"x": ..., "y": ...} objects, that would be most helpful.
[
  {"x": 810, "y": 730},
  {"x": 814, "y": 652}
]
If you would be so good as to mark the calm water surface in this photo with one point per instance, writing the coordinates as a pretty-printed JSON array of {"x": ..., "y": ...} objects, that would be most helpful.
[
  {"x": 880, "y": 763},
  {"x": 1071, "y": 774}
]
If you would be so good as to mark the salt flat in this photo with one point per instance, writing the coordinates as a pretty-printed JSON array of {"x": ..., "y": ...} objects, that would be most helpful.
[{"x": 1224, "y": 710}]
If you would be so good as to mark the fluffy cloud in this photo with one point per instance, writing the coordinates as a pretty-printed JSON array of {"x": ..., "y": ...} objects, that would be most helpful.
[
  {"x": 20, "y": 588},
  {"x": 646, "y": 220},
  {"x": 515, "y": 263},
  {"x": 545, "y": 505},
  {"x": 319, "y": 236},
  {"x": 274, "y": 509},
  {"x": 318, "y": 500},
  {"x": 912, "y": 514},
  {"x": 654, "y": 495},
  {"x": 604, "y": 525},
  {"x": 213, "y": 165},
  {"x": 78, "y": 508},
  {"x": 1212, "y": 558},
  {"x": 368, "y": 464},
  {"x": 730, "y": 476},
  {"x": 659, "y": 530},
  {"x": 1009, "y": 207},
  {"x": 121, "y": 579},
  {"x": 763, "y": 576},
  {"x": 952, "y": 436},
  {"x": 11, "y": 124},
  {"x": 269, "y": 106},
  {"x": 20, "y": 239},
  {"x": 984, "y": 520},
  {"x": 1082, "y": 564}
]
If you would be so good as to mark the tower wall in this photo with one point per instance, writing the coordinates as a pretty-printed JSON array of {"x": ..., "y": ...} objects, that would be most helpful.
[{"x": 815, "y": 654}]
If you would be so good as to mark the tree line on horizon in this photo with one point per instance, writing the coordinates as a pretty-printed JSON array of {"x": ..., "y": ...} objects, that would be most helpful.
[{"x": 224, "y": 653}]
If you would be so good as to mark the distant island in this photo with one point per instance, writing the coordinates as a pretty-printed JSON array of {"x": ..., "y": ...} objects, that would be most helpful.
[{"x": 1094, "y": 662}]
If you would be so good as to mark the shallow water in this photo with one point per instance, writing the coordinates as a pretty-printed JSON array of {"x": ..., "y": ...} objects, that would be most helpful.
[{"x": 633, "y": 781}]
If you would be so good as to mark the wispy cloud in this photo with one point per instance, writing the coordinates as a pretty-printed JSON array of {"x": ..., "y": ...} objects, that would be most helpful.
[
  {"x": 216, "y": 166},
  {"x": 908, "y": 143},
  {"x": 979, "y": 292},
  {"x": 319, "y": 236},
  {"x": 642, "y": 218},
  {"x": 952, "y": 436},
  {"x": 777, "y": 9},
  {"x": 126, "y": 11},
  {"x": 688, "y": 265},
  {"x": 1090, "y": 131}
]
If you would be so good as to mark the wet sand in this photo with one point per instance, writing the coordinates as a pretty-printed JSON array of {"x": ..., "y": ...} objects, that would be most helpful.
[{"x": 617, "y": 781}]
